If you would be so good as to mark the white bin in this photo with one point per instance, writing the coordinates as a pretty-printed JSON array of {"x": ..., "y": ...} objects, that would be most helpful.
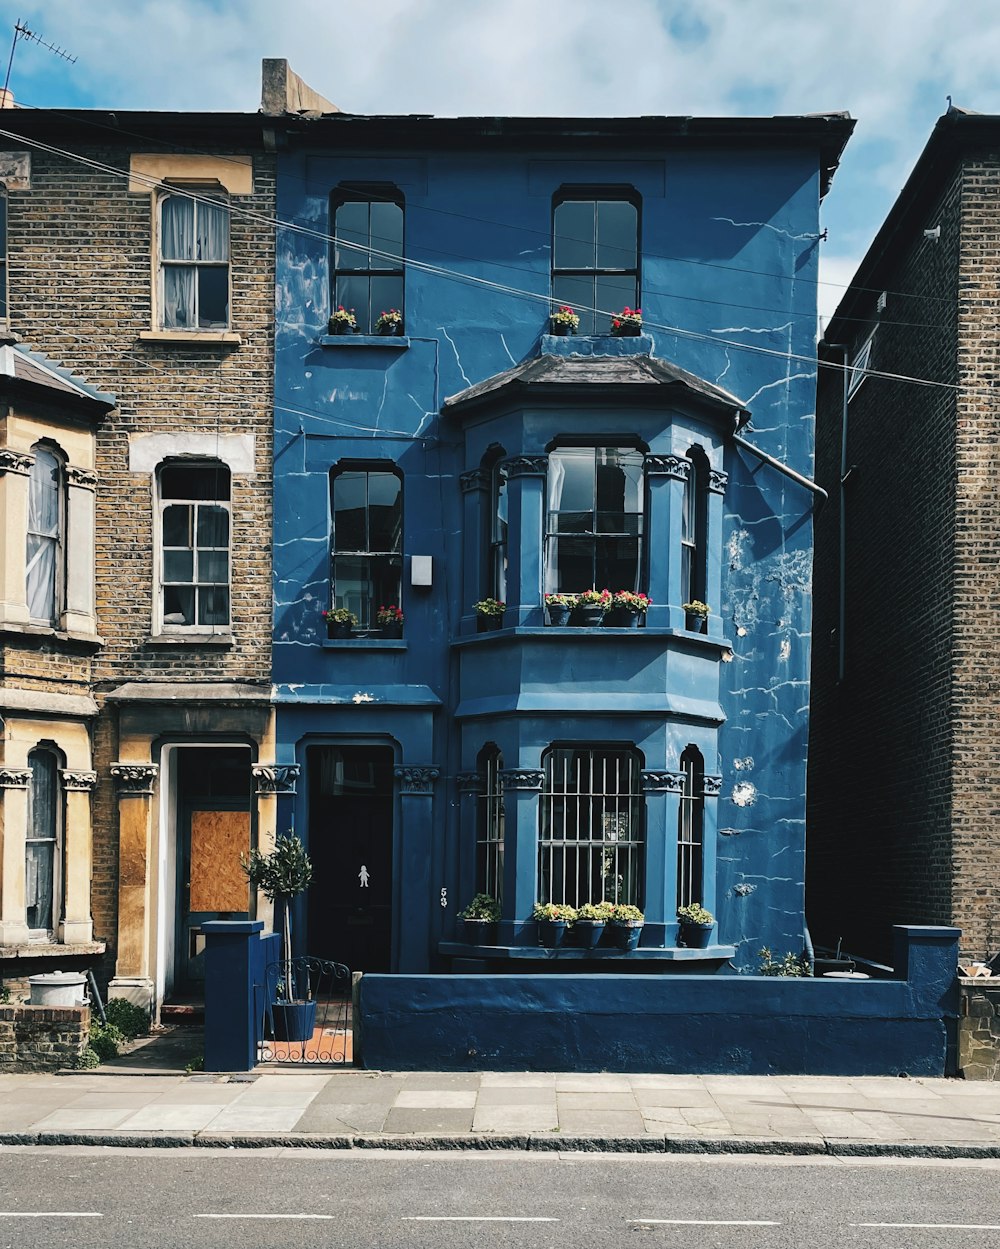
[{"x": 57, "y": 988}]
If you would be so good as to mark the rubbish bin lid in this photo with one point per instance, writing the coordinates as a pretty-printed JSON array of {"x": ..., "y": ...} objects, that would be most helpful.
[{"x": 58, "y": 977}]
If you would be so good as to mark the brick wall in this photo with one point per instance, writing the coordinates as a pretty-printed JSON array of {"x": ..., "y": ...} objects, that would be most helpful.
[
  {"x": 881, "y": 786},
  {"x": 42, "y": 1038}
]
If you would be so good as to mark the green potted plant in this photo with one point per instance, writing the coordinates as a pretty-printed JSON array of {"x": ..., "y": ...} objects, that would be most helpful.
[
  {"x": 591, "y": 920},
  {"x": 390, "y": 621},
  {"x": 489, "y": 614},
  {"x": 697, "y": 614},
  {"x": 625, "y": 925},
  {"x": 553, "y": 920},
  {"x": 790, "y": 964},
  {"x": 627, "y": 323},
  {"x": 282, "y": 875},
  {"x": 389, "y": 323},
  {"x": 481, "y": 917},
  {"x": 563, "y": 322},
  {"x": 696, "y": 926},
  {"x": 626, "y": 609},
  {"x": 559, "y": 608},
  {"x": 340, "y": 623},
  {"x": 591, "y": 606},
  {"x": 343, "y": 321}
]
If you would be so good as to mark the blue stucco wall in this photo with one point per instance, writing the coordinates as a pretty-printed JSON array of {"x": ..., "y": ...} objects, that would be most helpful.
[
  {"x": 729, "y": 255},
  {"x": 693, "y": 1024}
]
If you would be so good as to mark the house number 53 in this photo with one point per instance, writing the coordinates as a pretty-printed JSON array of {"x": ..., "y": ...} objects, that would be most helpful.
[{"x": 444, "y": 897}]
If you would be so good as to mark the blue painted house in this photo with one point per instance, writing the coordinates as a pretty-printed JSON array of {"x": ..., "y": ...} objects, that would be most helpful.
[{"x": 470, "y": 454}]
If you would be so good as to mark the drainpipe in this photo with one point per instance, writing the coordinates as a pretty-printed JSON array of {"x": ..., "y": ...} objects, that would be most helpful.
[{"x": 821, "y": 494}]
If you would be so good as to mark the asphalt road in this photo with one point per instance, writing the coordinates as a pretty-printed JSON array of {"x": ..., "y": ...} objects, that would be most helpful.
[{"x": 204, "y": 1199}]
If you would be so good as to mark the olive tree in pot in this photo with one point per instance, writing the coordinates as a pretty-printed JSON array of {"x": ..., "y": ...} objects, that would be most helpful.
[{"x": 282, "y": 875}]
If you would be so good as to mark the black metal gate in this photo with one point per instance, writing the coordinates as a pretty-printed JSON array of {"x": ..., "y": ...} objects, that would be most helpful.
[{"x": 305, "y": 1012}]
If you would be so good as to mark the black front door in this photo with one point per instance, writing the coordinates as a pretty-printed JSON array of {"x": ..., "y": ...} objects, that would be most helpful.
[{"x": 350, "y": 844}]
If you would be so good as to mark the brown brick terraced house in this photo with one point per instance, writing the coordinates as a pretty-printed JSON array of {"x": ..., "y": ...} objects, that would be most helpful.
[
  {"x": 904, "y": 772},
  {"x": 137, "y": 266}
]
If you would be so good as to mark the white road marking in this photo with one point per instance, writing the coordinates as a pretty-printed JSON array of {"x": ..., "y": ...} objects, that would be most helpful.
[
  {"x": 50, "y": 1214},
  {"x": 265, "y": 1216},
  {"x": 474, "y": 1218},
  {"x": 972, "y": 1227},
  {"x": 710, "y": 1222}
]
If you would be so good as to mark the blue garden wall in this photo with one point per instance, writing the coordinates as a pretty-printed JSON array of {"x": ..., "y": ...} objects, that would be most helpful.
[
  {"x": 729, "y": 242},
  {"x": 693, "y": 1024}
]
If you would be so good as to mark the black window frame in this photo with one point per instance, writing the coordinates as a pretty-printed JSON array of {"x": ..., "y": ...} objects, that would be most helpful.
[
  {"x": 694, "y": 528},
  {"x": 366, "y": 193},
  {"x": 691, "y": 829},
  {"x": 592, "y": 322}
]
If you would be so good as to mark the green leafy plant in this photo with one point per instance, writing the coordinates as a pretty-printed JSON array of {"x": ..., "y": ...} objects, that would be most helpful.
[
  {"x": 482, "y": 906},
  {"x": 281, "y": 875},
  {"x": 788, "y": 965},
  {"x": 340, "y": 615},
  {"x": 490, "y": 607},
  {"x": 389, "y": 320},
  {"x": 564, "y": 315},
  {"x": 553, "y": 913},
  {"x": 623, "y": 913},
  {"x": 622, "y": 322},
  {"x": 568, "y": 601},
  {"x": 196, "y": 1064},
  {"x": 696, "y": 608},
  {"x": 695, "y": 914},
  {"x": 86, "y": 1059},
  {"x": 598, "y": 912},
  {"x": 342, "y": 319},
  {"x": 390, "y": 615},
  {"x": 594, "y": 598},
  {"x": 130, "y": 1020},
  {"x": 104, "y": 1040},
  {"x": 630, "y": 601}
]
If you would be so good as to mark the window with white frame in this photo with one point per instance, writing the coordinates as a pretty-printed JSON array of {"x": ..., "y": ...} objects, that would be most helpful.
[
  {"x": 590, "y": 845},
  {"x": 367, "y": 540},
  {"x": 194, "y": 546},
  {"x": 46, "y": 522},
  {"x": 42, "y": 858},
  {"x": 691, "y": 829},
  {"x": 859, "y": 365},
  {"x": 193, "y": 262},
  {"x": 490, "y": 830},
  {"x": 594, "y": 525}
]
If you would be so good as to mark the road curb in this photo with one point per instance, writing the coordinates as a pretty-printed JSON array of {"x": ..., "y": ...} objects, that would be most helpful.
[{"x": 554, "y": 1143}]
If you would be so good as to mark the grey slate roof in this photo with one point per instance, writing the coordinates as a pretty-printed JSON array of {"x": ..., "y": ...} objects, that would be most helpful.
[
  {"x": 554, "y": 374},
  {"x": 32, "y": 371}
]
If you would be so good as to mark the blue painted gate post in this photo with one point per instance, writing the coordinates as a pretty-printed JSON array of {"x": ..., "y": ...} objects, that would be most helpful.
[{"x": 234, "y": 966}]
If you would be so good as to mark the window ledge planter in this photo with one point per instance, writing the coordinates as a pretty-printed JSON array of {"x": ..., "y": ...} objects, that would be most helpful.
[{"x": 395, "y": 342}]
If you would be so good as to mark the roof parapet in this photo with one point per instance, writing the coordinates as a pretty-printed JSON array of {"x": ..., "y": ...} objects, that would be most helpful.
[{"x": 283, "y": 91}]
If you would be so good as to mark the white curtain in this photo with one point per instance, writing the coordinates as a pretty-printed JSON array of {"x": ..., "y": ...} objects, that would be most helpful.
[
  {"x": 213, "y": 231},
  {"x": 556, "y": 480},
  {"x": 177, "y": 228},
  {"x": 43, "y": 536}
]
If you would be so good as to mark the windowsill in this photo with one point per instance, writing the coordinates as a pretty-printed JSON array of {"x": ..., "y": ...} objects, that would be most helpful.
[
  {"x": 47, "y": 631},
  {"x": 395, "y": 342},
  {"x": 195, "y": 338},
  {"x": 573, "y": 954},
  {"x": 52, "y": 949},
  {"x": 374, "y": 644},
  {"x": 561, "y": 633},
  {"x": 193, "y": 638}
]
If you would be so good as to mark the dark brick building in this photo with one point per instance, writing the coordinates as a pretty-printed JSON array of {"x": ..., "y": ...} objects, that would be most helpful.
[{"x": 904, "y": 773}]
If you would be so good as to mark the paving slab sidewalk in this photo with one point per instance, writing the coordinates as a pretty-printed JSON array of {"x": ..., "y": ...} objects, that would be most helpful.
[{"x": 148, "y": 1103}]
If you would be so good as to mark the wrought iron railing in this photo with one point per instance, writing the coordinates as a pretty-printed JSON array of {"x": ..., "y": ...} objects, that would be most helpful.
[{"x": 305, "y": 1012}]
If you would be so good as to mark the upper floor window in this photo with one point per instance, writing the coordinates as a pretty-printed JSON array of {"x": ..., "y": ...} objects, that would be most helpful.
[
  {"x": 46, "y": 518},
  {"x": 690, "y": 829},
  {"x": 194, "y": 263},
  {"x": 194, "y": 534},
  {"x": 3, "y": 257},
  {"x": 590, "y": 835},
  {"x": 490, "y": 831},
  {"x": 861, "y": 362},
  {"x": 368, "y": 253},
  {"x": 498, "y": 532},
  {"x": 595, "y": 255},
  {"x": 694, "y": 528},
  {"x": 594, "y": 521},
  {"x": 367, "y": 540},
  {"x": 42, "y": 861}
]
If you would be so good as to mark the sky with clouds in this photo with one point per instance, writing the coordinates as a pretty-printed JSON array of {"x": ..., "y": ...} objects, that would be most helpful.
[{"x": 891, "y": 65}]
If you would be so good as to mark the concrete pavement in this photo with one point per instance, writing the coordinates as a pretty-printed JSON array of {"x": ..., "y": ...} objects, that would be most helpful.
[{"x": 347, "y": 1108}]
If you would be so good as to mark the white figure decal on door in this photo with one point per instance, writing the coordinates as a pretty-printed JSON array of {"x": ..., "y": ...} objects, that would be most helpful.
[{"x": 363, "y": 876}]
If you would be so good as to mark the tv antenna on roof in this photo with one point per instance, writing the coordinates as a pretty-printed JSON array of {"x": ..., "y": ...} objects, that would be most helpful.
[{"x": 21, "y": 31}]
